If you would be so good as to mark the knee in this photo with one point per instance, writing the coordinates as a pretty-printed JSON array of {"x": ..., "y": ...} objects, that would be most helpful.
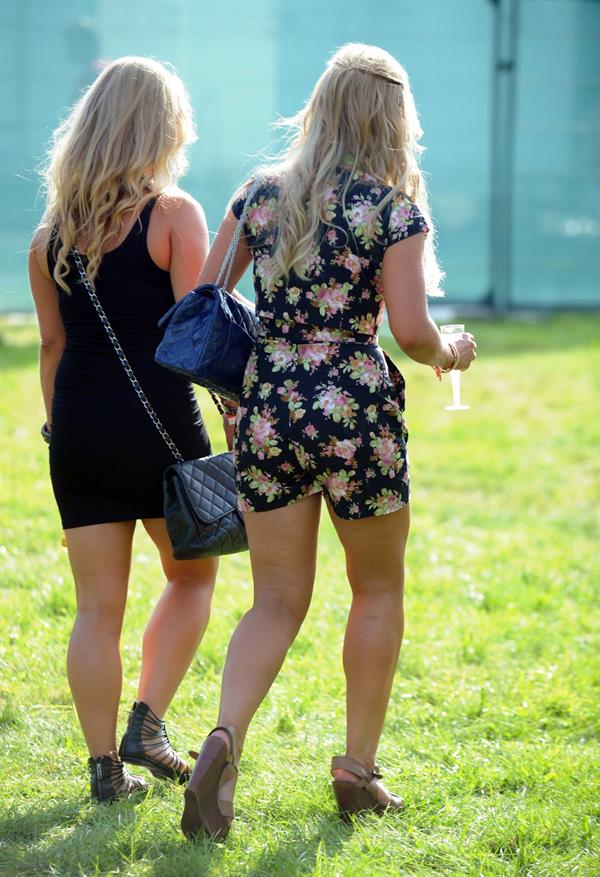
[
  {"x": 290, "y": 611},
  {"x": 100, "y": 615},
  {"x": 381, "y": 593},
  {"x": 200, "y": 584}
]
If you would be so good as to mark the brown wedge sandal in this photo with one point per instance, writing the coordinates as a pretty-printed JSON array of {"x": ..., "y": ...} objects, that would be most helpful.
[
  {"x": 209, "y": 793},
  {"x": 356, "y": 797}
]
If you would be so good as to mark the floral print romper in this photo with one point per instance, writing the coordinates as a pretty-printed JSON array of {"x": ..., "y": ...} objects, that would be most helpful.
[{"x": 322, "y": 405}]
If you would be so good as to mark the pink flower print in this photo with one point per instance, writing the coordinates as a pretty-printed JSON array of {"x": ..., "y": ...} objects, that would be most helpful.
[
  {"x": 262, "y": 483},
  {"x": 265, "y": 390},
  {"x": 262, "y": 434},
  {"x": 251, "y": 373},
  {"x": 346, "y": 449},
  {"x": 339, "y": 484},
  {"x": 331, "y": 235},
  {"x": 330, "y": 300},
  {"x": 365, "y": 220},
  {"x": 365, "y": 370},
  {"x": 305, "y": 459},
  {"x": 289, "y": 393},
  {"x": 354, "y": 509},
  {"x": 329, "y": 203},
  {"x": 311, "y": 356},
  {"x": 262, "y": 214},
  {"x": 244, "y": 505},
  {"x": 286, "y": 467},
  {"x": 370, "y": 473},
  {"x": 310, "y": 430},
  {"x": 366, "y": 325},
  {"x": 385, "y": 502},
  {"x": 281, "y": 354},
  {"x": 387, "y": 453},
  {"x": 337, "y": 404},
  {"x": 353, "y": 263},
  {"x": 264, "y": 271},
  {"x": 261, "y": 431},
  {"x": 292, "y": 295}
]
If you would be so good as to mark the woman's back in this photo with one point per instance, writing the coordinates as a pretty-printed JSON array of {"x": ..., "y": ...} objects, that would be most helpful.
[
  {"x": 340, "y": 295},
  {"x": 132, "y": 289}
]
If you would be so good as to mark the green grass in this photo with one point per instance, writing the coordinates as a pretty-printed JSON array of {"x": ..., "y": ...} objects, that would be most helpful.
[{"x": 492, "y": 730}]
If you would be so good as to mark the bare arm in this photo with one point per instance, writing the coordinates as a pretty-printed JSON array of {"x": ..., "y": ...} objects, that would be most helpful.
[
  {"x": 52, "y": 332},
  {"x": 242, "y": 258},
  {"x": 406, "y": 303},
  {"x": 178, "y": 239}
]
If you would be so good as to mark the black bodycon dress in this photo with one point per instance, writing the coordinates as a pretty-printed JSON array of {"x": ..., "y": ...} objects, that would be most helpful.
[{"x": 106, "y": 456}]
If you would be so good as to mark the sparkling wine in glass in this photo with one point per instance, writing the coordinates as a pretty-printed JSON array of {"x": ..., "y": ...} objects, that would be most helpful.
[{"x": 452, "y": 331}]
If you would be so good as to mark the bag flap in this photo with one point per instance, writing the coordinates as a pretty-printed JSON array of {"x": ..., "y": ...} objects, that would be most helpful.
[
  {"x": 208, "y": 485},
  {"x": 186, "y": 307}
]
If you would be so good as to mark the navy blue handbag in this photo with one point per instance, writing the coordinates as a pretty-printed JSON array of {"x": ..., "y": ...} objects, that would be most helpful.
[{"x": 209, "y": 334}]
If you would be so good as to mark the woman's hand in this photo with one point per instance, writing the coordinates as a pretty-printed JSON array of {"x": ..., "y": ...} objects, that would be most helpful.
[{"x": 467, "y": 349}]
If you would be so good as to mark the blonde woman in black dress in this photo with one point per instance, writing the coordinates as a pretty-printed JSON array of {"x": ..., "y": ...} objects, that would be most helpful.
[{"x": 111, "y": 192}]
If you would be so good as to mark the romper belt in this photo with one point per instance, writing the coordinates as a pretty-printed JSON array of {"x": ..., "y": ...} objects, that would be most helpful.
[{"x": 307, "y": 336}]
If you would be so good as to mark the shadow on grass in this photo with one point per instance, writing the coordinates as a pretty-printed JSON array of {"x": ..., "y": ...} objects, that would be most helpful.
[
  {"x": 304, "y": 855},
  {"x": 31, "y": 826},
  {"x": 300, "y": 852}
]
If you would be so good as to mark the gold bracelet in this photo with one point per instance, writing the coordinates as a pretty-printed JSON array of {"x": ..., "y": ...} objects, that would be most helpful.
[{"x": 455, "y": 353}]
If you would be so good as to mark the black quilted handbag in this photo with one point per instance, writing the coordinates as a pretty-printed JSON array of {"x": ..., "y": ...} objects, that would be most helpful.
[
  {"x": 200, "y": 497},
  {"x": 201, "y": 508},
  {"x": 209, "y": 334}
]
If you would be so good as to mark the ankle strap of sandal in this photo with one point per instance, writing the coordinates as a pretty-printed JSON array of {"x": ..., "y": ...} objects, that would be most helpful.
[
  {"x": 344, "y": 762},
  {"x": 233, "y": 755}
]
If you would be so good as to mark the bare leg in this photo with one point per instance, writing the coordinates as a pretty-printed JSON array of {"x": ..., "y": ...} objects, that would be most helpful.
[
  {"x": 375, "y": 565},
  {"x": 100, "y": 557},
  {"x": 283, "y": 545},
  {"x": 177, "y": 623}
]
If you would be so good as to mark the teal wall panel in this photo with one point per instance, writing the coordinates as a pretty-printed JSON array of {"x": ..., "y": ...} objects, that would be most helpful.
[{"x": 246, "y": 63}]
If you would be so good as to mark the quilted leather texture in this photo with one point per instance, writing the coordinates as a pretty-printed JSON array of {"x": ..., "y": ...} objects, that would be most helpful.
[
  {"x": 208, "y": 337},
  {"x": 201, "y": 508}
]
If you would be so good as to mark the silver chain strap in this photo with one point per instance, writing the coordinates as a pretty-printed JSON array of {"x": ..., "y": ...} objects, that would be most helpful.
[
  {"x": 123, "y": 359},
  {"x": 227, "y": 264}
]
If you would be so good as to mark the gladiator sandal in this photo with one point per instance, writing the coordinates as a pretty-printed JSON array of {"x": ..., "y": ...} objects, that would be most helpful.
[
  {"x": 356, "y": 797},
  {"x": 146, "y": 744},
  {"x": 209, "y": 794},
  {"x": 110, "y": 779}
]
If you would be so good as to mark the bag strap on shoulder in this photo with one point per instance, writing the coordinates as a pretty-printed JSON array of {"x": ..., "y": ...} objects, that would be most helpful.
[{"x": 227, "y": 265}]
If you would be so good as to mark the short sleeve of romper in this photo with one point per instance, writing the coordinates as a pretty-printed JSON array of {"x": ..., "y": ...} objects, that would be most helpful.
[
  {"x": 238, "y": 205},
  {"x": 404, "y": 220}
]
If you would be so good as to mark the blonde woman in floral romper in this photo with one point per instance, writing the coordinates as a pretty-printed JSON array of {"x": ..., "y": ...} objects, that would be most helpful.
[{"x": 336, "y": 231}]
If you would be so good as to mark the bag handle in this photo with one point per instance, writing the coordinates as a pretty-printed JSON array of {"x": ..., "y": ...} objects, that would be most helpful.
[
  {"x": 227, "y": 264},
  {"x": 123, "y": 359}
]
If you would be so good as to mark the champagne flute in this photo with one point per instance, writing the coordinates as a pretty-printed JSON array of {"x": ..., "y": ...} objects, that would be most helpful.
[{"x": 452, "y": 331}]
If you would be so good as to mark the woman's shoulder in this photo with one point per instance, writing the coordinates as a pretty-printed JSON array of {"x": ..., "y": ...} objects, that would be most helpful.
[
  {"x": 41, "y": 246},
  {"x": 175, "y": 205}
]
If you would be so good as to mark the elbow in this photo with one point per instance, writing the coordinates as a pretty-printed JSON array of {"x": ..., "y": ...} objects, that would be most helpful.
[
  {"x": 52, "y": 344},
  {"x": 409, "y": 342}
]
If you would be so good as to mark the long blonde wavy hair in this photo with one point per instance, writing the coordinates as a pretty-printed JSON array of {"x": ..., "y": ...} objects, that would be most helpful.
[
  {"x": 122, "y": 144},
  {"x": 360, "y": 115}
]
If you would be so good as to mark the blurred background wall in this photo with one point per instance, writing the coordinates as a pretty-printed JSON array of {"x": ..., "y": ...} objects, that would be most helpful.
[{"x": 508, "y": 92}]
